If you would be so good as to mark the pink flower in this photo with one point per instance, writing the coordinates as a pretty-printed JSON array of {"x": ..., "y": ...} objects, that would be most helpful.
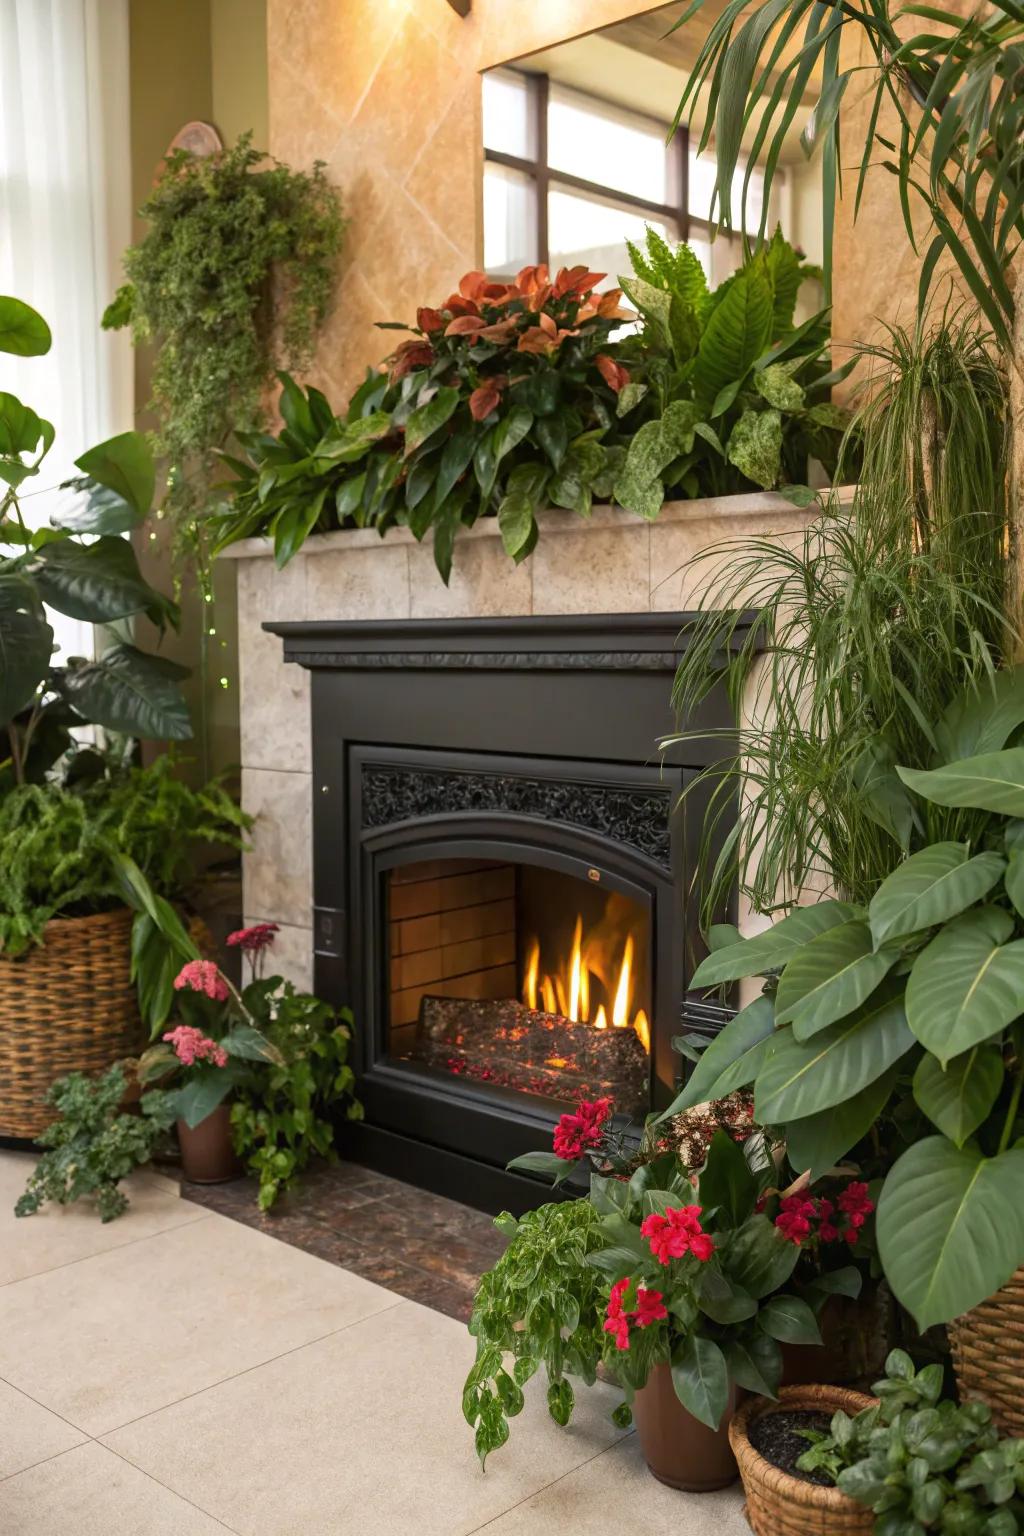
[
  {"x": 650, "y": 1308},
  {"x": 575, "y": 1133},
  {"x": 676, "y": 1233},
  {"x": 191, "y": 1045},
  {"x": 202, "y": 976},
  {"x": 257, "y": 937}
]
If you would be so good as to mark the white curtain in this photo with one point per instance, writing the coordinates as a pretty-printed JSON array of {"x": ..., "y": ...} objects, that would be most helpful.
[{"x": 65, "y": 219}]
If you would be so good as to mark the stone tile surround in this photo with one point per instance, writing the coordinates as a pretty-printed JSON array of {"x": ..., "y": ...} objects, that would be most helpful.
[{"x": 614, "y": 562}]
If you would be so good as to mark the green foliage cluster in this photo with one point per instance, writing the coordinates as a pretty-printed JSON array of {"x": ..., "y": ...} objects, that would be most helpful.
[
  {"x": 726, "y": 1316},
  {"x": 278, "y": 1117},
  {"x": 737, "y": 393},
  {"x": 93, "y": 1144},
  {"x": 512, "y": 397},
  {"x": 919, "y": 994},
  {"x": 94, "y": 579},
  {"x": 921, "y": 1464},
  {"x": 62, "y": 844},
  {"x": 237, "y": 263}
]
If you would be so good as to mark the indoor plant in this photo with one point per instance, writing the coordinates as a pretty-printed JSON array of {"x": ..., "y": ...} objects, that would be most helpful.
[{"x": 511, "y": 397}]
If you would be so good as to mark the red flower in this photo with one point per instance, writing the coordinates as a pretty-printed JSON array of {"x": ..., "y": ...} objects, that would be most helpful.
[
  {"x": 575, "y": 1133},
  {"x": 616, "y": 1317},
  {"x": 856, "y": 1206},
  {"x": 429, "y": 320},
  {"x": 676, "y": 1233},
  {"x": 202, "y": 976},
  {"x": 485, "y": 399},
  {"x": 794, "y": 1218},
  {"x": 256, "y": 937},
  {"x": 613, "y": 373},
  {"x": 650, "y": 1308}
]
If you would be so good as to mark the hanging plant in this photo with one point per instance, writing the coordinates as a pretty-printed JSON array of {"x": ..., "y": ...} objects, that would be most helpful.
[{"x": 232, "y": 279}]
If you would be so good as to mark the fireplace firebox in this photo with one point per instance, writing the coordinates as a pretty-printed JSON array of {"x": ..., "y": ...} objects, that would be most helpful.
[{"x": 503, "y": 877}]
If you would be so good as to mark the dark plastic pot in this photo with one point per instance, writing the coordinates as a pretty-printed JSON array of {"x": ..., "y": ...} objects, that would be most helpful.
[
  {"x": 679, "y": 1449},
  {"x": 207, "y": 1156},
  {"x": 856, "y": 1336}
]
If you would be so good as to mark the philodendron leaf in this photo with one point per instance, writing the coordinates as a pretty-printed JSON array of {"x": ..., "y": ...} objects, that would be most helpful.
[
  {"x": 1013, "y": 881},
  {"x": 202, "y": 1093},
  {"x": 773, "y": 949},
  {"x": 816, "y": 1143},
  {"x": 950, "y": 1227},
  {"x": 829, "y": 978},
  {"x": 929, "y": 888},
  {"x": 755, "y": 447},
  {"x": 701, "y": 1379},
  {"x": 801, "y": 1078},
  {"x": 726, "y": 1183},
  {"x": 26, "y": 641},
  {"x": 23, "y": 331},
  {"x": 732, "y": 1060},
  {"x": 959, "y": 1099},
  {"x": 125, "y": 465},
  {"x": 885, "y": 799},
  {"x": 127, "y": 691},
  {"x": 981, "y": 719},
  {"x": 968, "y": 984},
  {"x": 992, "y": 782}
]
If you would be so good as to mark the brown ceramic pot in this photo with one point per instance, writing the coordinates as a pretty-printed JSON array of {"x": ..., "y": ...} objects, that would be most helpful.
[
  {"x": 679, "y": 1449},
  {"x": 207, "y": 1156}
]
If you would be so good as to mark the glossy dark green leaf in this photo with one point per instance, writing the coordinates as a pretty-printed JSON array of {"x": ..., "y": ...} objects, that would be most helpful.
[
  {"x": 701, "y": 1379},
  {"x": 97, "y": 509},
  {"x": 428, "y": 419},
  {"x": 773, "y": 949},
  {"x": 731, "y": 1060},
  {"x": 788, "y": 1319},
  {"x": 26, "y": 641},
  {"x": 800, "y": 1078},
  {"x": 950, "y": 1227},
  {"x": 930, "y": 887},
  {"x": 993, "y": 781},
  {"x": 960, "y": 1098},
  {"x": 519, "y": 506},
  {"x": 968, "y": 984},
  {"x": 726, "y": 1183},
  {"x": 127, "y": 691},
  {"x": 818, "y": 1142},
  {"x": 758, "y": 1258},
  {"x": 754, "y": 1362},
  {"x": 829, "y": 977},
  {"x": 722, "y": 1299},
  {"x": 95, "y": 582}
]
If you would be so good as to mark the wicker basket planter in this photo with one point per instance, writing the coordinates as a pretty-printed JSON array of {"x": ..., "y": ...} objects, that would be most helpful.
[
  {"x": 67, "y": 1006},
  {"x": 779, "y": 1504},
  {"x": 988, "y": 1354}
]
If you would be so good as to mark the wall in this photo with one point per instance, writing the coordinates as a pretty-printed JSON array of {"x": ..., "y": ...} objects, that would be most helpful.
[{"x": 208, "y": 63}]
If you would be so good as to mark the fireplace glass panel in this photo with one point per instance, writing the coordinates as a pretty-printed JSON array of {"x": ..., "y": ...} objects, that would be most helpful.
[{"x": 521, "y": 976}]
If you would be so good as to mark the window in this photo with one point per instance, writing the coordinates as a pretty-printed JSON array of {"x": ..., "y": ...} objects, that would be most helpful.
[{"x": 569, "y": 178}]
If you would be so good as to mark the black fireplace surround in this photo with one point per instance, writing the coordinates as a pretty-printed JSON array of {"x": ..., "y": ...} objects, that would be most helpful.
[{"x": 487, "y": 745}]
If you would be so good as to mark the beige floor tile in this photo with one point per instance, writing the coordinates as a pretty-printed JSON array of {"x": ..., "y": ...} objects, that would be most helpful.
[
  {"x": 92, "y": 1492},
  {"x": 56, "y": 1235},
  {"x": 361, "y": 1432},
  {"x": 126, "y": 1332},
  {"x": 615, "y": 1492},
  {"x": 29, "y": 1433}
]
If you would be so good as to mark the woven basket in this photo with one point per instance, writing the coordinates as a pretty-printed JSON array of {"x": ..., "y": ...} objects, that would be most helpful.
[
  {"x": 988, "y": 1354},
  {"x": 779, "y": 1504},
  {"x": 69, "y": 1005}
]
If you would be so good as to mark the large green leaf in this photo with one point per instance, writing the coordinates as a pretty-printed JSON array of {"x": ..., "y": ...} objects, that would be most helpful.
[
  {"x": 732, "y": 1060},
  {"x": 800, "y": 1078},
  {"x": 722, "y": 1299},
  {"x": 517, "y": 511},
  {"x": 97, "y": 509},
  {"x": 789, "y": 1320},
  {"x": 23, "y": 330},
  {"x": 773, "y": 949},
  {"x": 755, "y": 1363},
  {"x": 26, "y": 641},
  {"x": 735, "y": 336},
  {"x": 960, "y": 1097},
  {"x": 726, "y": 1183},
  {"x": 950, "y": 1227},
  {"x": 755, "y": 447},
  {"x": 127, "y": 691},
  {"x": 20, "y": 428},
  {"x": 930, "y": 887},
  {"x": 758, "y": 1258},
  {"x": 829, "y": 977},
  {"x": 818, "y": 1142},
  {"x": 125, "y": 465},
  {"x": 701, "y": 1379},
  {"x": 982, "y": 718},
  {"x": 93, "y": 582},
  {"x": 427, "y": 419},
  {"x": 200, "y": 1096},
  {"x": 993, "y": 781},
  {"x": 968, "y": 984}
]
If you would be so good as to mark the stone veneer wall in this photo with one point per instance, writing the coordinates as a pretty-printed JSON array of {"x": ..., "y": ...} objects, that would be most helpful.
[{"x": 614, "y": 563}]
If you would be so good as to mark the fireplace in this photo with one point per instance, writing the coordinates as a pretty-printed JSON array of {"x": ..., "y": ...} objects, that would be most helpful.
[{"x": 503, "y": 872}]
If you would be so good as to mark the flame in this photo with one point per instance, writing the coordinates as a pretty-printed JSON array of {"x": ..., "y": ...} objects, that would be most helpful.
[{"x": 570, "y": 991}]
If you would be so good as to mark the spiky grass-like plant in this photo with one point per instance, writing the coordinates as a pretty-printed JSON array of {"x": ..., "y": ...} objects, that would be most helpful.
[{"x": 840, "y": 647}]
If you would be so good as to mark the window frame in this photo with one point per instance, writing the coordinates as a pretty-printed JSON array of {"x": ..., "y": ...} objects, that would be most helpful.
[{"x": 543, "y": 176}]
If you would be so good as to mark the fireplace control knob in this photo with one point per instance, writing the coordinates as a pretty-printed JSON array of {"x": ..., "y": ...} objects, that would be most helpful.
[{"x": 594, "y": 874}]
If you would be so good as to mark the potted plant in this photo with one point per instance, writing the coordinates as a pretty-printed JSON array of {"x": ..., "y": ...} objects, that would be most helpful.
[
  {"x": 905, "y": 1460},
  {"x": 511, "y": 396},
  {"x": 686, "y": 1293}
]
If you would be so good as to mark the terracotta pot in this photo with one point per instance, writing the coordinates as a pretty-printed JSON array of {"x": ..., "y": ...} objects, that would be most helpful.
[
  {"x": 988, "y": 1354},
  {"x": 779, "y": 1504},
  {"x": 679, "y": 1449},
  {"x": 207, "y": 1156}
]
